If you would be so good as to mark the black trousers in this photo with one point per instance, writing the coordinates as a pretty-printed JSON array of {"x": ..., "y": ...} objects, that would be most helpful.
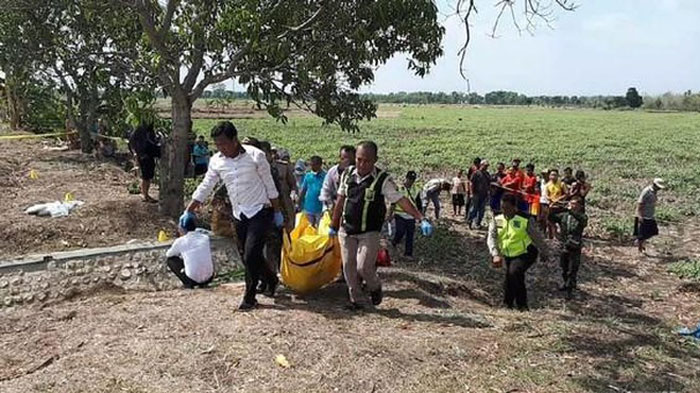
[
  {"x": 515, "y": 291},
  {"x": 252, "y": 234},
  {"x": 177, "y": 266},
  {"x": 405, "y": 228},
  {"x": 570, "y": 261}
]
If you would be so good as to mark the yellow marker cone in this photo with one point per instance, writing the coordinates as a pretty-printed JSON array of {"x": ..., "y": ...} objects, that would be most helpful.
[
  {"x": 282, "y": 361},
  {"x": 68, "y": 197},
  {"x": 33, "y": 175},
  {"x": 163, "y": 236}
]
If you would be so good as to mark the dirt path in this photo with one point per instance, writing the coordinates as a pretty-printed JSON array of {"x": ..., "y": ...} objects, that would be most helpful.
[
  {"x": 106, "y": 219},
  {"x": 439, "y": 329}
]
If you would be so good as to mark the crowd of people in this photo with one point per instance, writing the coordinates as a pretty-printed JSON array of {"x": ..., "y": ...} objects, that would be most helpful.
[{"x": 265, "y": 191}]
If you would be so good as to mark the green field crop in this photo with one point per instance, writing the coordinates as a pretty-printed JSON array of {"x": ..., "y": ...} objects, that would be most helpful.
[{"x": 621, "y": 151}]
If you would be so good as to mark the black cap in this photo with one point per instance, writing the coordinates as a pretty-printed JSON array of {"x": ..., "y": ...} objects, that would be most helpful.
[{"x": 411, "y": 175}]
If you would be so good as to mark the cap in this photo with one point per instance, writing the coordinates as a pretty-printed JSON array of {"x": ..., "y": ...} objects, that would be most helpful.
[
  {"x": 283, "y": 154},
  {"x": 659, "y": 182},
  {"x": 411, "y": 175},
  {"x": 484, "y": 162},
  {"x": 300, "y": 166}
]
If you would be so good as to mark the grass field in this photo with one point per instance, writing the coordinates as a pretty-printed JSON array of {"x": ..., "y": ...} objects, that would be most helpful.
[{"x": 620, "y": 151}]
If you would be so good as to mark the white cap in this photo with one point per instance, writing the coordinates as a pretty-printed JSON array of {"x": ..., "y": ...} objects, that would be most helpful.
[{"x": 659, "y": 182}]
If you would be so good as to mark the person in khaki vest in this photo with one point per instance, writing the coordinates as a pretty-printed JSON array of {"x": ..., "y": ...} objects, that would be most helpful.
[{"x": 516, "y": 240}]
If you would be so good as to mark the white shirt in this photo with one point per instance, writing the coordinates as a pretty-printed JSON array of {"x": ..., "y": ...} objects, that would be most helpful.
[
  {"x": 543, "y": 193},
  {"x": 434, "y": 184},
  {"x": 195, "y": 251},
  {"x": 329, "y": 191},
  {"x": 247, "y": 178}
]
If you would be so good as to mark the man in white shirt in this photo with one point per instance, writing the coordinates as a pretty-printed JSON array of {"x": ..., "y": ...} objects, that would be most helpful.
[
  {"x": 329, "y": 191},
  {"x": 246, "y": 174},
  {"x": 189, "y": 257},
  {"x": 431, "y": 193}
]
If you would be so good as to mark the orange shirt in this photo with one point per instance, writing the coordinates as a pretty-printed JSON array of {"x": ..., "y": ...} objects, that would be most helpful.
[
  {"x": 513, "y": 180},
  {"x": 529, "y": 184}
]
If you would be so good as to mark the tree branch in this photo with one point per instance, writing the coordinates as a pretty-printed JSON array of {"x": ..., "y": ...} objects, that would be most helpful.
[
  {"x": 302, "y": 26},
  {"x": 168, "y": 18}
]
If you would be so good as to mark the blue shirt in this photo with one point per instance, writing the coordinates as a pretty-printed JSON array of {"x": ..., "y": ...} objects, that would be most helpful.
[
  {"x": 201, "y": 154},
  {"x": 312, "y": 183}
]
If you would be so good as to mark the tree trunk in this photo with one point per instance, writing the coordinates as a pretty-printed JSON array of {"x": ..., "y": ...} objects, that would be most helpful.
[
  {"x": 88, "y": 117},
  {"x": 13, "y": 105},
  {"x": 172, "y": 163}
]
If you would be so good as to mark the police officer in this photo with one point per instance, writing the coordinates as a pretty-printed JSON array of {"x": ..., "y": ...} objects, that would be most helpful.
[
  {"x": 405, "y": 223},
  {"x": 517, "y": 240},
  {"x": 358, "y": 217},
  {"x": 572, "y": 222}
]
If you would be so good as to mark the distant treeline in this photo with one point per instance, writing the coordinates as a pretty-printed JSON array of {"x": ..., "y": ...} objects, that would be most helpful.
[{"x": 687, "y": 101}]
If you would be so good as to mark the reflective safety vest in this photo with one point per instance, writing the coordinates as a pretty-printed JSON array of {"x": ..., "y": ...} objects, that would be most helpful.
[
  {"x": 365, "y": 208},
  {"x": 411, "y": 194},
  {"x": 513, "y": 239}
]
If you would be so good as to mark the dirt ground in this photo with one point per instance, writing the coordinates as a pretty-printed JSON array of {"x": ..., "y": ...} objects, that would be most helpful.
[
  {"x": 440, "y": 328},
  {"x": 107, "y": 217}
]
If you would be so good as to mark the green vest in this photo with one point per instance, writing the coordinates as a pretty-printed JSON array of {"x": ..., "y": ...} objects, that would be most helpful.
[
  {"x": 411, "y": 194},
  {"x": 513, "y": 239}
]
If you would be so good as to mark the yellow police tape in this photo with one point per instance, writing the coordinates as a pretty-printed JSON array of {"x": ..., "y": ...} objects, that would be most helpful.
[{"x": 31, "y": 136}]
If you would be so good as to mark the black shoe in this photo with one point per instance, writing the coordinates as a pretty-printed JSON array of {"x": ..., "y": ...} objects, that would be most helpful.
[
  {"x": 469, "y": 224},
  {"x": 188, "y": 286},
  {"x": 569, "y": 294},
  {"x": 377, "y": 296},
  {"x": 523, "y": 308},
  {"x": 245, "y": 306},
  {"x": 271, "y": 288},
  {"x": 352, "y": 306}
]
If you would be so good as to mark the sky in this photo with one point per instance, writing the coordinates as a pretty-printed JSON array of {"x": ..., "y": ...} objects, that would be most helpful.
[{"x": 603, "y": 47}]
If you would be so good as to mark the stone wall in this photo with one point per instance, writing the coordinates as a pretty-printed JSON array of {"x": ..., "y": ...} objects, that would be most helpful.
[{"x": 61, "y": 275}]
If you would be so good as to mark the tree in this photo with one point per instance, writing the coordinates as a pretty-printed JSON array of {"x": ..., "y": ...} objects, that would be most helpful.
[
  {"x": 634, "y": 100},
  {"x": 311, "y": 54},
  {"x": 91, "y": 61}
]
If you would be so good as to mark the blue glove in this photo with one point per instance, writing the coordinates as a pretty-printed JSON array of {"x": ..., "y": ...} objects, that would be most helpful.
[
  {"x": 426, "y": 228},
  {"x": 279, "y": 219},
  {"x": 185, "y": 217},
  {"x": 332, "y": 232}
]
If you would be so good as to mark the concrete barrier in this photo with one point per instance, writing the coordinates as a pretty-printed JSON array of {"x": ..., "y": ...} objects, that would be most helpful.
[{"x": 60, "y": 275}]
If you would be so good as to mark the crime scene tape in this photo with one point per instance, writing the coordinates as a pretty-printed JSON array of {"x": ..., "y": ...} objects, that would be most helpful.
[{"x": 32, "y": 136}]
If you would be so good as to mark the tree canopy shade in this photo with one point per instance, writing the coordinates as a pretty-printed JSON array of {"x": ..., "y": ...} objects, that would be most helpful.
[{"x": 294, "y": 52}]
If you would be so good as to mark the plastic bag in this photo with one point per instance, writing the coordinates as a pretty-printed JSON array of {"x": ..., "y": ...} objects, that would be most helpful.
[{"x": 310, "y": 258}]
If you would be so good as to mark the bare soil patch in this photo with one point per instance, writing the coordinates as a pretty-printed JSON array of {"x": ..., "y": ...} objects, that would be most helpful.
[{"x": 110, "y": 215}]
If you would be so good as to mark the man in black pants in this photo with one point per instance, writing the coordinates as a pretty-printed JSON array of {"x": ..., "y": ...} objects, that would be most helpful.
[
  {"x": 246, "y": 173},
  {"x": 516, "y": 239}
]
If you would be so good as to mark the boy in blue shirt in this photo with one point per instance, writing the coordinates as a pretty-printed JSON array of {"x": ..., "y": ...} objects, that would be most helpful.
[{"x": 311, "y": 186}]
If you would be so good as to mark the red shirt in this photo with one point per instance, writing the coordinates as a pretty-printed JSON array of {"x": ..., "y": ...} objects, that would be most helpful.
[
  {"x": 513, "y": 180},
  {"x": 529, "y": 183}
]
